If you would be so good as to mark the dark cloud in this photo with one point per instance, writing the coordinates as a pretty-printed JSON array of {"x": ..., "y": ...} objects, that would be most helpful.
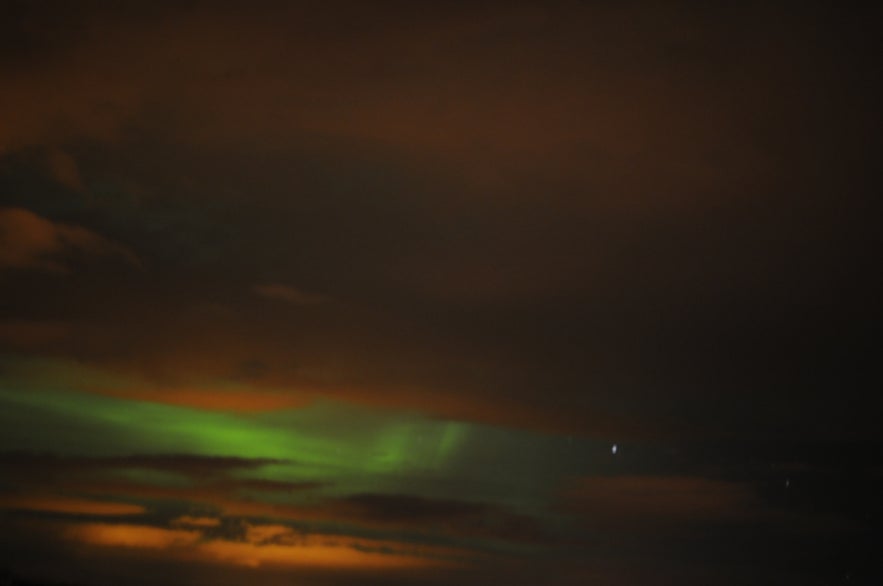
[
  {"x": 461, "y": 518},
  {"x": 198, "y": 467}
]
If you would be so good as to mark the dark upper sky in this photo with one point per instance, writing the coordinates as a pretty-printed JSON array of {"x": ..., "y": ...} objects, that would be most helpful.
[{"x": 367, "y": 291}]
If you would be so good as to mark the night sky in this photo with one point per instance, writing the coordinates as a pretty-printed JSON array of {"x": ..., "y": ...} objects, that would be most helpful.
[{"x": 429, "y": 293}]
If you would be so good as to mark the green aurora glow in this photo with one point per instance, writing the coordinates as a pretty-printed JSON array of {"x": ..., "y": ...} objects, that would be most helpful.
[{"x": 349, "y": 448}]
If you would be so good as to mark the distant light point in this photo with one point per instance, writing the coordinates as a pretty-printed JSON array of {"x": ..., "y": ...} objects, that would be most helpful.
[{"x": 613, "y": 449}]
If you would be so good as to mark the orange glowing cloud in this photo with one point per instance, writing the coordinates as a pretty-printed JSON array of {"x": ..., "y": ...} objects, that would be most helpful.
[
  {"x": 138, "y": 536},
  {"x": 273, "y": 545},
  {"x": 188, "y": 521},
  {"x": 282, "y": 545},
  {"x": 319, "y": 552},
  {"x": 260, "y": 534}
]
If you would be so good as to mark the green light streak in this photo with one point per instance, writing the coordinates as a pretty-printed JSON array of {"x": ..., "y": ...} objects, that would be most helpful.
[
  {"x": 349, "y": 448},
  {"x": 117, "y": 426}
]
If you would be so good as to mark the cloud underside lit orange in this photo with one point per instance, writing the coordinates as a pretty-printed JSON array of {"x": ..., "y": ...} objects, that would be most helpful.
[
  {"x": 283, "y": 548},
  {"x": 242, "y": 401}
]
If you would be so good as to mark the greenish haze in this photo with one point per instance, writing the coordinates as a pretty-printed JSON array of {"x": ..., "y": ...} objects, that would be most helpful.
[{"x": 349, "y": 448}]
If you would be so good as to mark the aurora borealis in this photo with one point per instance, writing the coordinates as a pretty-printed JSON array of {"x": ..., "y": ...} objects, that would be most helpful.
[{"x": 529, "y": 293}]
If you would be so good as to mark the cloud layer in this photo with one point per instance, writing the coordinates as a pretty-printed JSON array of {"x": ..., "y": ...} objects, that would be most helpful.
[{"x": 363, "y": 293}]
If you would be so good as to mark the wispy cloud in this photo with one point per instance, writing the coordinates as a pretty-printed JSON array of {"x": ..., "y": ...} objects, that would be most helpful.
[
  {"x": 29, "y": 241},
  {"x": 288, "y": 294}
]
